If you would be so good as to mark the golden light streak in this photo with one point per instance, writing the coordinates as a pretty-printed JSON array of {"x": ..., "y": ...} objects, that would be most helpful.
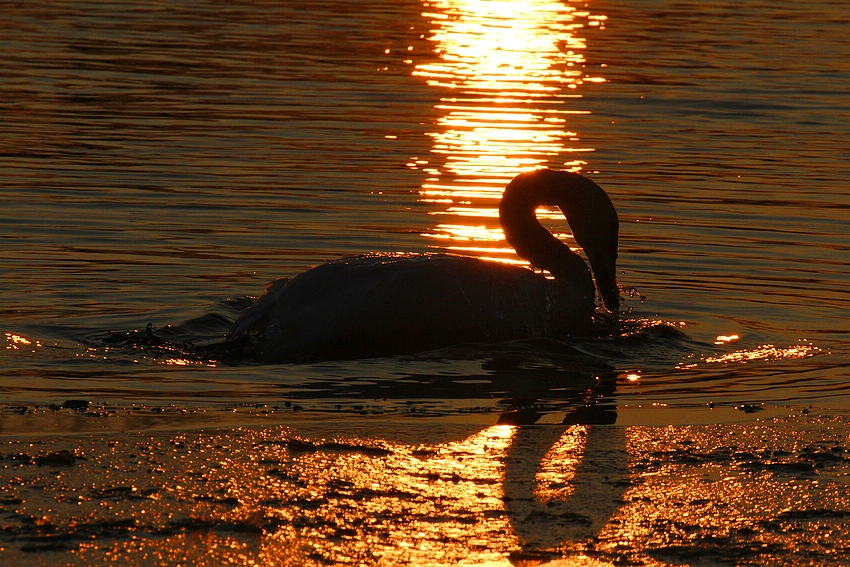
[
  {"x": 766, "y": 352},
  {"x": 554, "y": 478},
  {"x": 15, "y": 341},
  {"x": 506, "y": 69},
  {"x": 725, "y": 339},
  {"x": 464, "y": 476}
]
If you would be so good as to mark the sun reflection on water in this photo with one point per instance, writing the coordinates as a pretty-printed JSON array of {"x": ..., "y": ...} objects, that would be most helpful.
[
  {"x": 15, "y": 341},
  {"x": 554, "y": 479},
  {"x": 437, "y": 495},
  {"x": 767, "y": 352},
  {"x": 352, "y": 503},
  {"x": 509, "y": 72}
]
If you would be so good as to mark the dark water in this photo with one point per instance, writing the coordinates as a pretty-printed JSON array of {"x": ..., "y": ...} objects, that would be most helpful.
[{"x": 160, "y": 159}]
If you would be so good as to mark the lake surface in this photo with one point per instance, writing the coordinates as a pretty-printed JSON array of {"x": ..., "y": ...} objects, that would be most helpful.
[{"x": 159, "y": 160}]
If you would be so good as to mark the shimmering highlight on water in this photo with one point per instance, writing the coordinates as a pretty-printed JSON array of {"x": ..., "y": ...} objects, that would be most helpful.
[
  {"x": 506, "y": 70},
  {"x": 206, "y": 150}
]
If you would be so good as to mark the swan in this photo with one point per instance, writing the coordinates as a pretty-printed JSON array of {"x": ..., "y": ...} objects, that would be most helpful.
[{"x": 385, "y": 304}]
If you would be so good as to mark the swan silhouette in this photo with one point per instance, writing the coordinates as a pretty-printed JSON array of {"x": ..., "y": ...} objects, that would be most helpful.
[{"x": 381, "y": 305}]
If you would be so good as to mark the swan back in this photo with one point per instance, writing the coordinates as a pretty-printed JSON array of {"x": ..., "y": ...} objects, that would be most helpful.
[{"x": 381, "y": 305}]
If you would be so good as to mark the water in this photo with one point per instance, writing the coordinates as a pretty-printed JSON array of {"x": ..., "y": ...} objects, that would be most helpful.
[{"x": 158, "y": 160}]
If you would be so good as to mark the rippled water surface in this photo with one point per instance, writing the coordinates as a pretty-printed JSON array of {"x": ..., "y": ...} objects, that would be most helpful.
[{"x": 159, "y": 160}]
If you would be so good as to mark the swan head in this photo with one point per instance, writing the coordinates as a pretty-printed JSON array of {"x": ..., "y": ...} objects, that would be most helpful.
[
  {"x": 589, "y": 212},
  {"x": 595, "y": 227}
]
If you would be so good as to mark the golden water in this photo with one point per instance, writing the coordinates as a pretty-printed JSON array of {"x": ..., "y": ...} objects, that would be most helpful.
[{"x": 159, "y": 159}]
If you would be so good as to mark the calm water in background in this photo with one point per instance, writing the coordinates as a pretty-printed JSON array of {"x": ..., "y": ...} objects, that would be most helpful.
[{"x": 155, "y": 161}]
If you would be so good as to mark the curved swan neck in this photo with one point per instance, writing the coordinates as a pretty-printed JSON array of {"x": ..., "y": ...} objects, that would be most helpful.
[
  {"x": 532, "y": 242},
  {"x": 591, "y": 217}
]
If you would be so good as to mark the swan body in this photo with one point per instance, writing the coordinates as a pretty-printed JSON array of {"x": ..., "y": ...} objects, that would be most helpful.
[{"x": 380, "y": 305}]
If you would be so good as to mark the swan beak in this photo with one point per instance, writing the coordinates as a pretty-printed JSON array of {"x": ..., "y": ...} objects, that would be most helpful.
[{"x": 605, "y": 272}]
